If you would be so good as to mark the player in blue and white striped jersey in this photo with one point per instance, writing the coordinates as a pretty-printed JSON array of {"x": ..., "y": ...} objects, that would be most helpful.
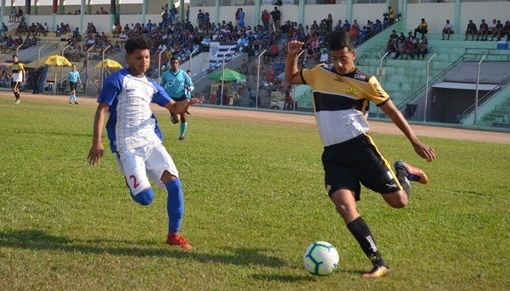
[{"x": 135, "y": 136}]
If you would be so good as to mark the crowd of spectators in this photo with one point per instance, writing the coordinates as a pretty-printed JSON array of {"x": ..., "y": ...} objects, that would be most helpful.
[
  {"x": 176, "y": 38},
  {"x": 407, "y": 47},
  {"x": 482, "y": 32}
]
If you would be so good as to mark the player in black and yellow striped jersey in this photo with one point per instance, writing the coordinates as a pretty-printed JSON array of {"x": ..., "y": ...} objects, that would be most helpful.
[
  {"x": 341, "y": 94},
  {"x": 17, "y": 76}
]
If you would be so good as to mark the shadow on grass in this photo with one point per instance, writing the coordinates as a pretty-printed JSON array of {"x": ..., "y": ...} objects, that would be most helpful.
[
  {"x": 39, "y": 240},
  {"x": 285, "y": 278}
]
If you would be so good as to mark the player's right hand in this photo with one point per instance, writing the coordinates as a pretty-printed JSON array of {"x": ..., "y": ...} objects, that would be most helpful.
[
  {"x": 294, "y": 47},
  {"x": 95, "y": 155}
]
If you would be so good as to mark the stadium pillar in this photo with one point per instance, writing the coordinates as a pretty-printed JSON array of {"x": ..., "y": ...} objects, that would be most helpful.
[
  {"x": 28, "y": 8},
  {"x": 144, "y": 10},
  {"x": 456, "y": 16},
  {"x": 54, "y": 14},
  {"x": 182, "y": 16},
  {"x": 348, "y": 10},
  {"x": 89, "y": 7},
  {"x": 113, "y": 13},
  {"x": 301, "y": 12},
  {"x": 257, "y": 14},
  {"x": 217, "y": 6},
  {"x": 82, "y": 12}
]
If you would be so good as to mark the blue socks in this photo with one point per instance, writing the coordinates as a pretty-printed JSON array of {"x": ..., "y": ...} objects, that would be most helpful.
[
  {"x": 145, "y": 197},
  {"x": 174, "y": 206},
  {"x": 184, "y": 125}
]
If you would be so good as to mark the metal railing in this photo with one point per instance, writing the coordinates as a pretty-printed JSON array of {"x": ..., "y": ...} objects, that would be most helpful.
[
  {"x": 420, "y": 91},
  {"x": 486, "y": 97}
]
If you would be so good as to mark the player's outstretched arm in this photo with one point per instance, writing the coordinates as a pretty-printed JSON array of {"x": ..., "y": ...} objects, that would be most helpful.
[
  {"x": 181, "y": 107},
  {"x": 97, "y": 150},
  {"x": 396, "y": 116}
]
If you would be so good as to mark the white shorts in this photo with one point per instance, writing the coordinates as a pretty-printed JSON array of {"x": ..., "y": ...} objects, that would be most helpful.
[{"x": 136, "y": 164}]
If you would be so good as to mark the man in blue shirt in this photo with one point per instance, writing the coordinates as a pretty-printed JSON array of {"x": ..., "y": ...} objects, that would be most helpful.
[
  {"x": 177, "y": 84},
  {"x": 74, "y": 77}
]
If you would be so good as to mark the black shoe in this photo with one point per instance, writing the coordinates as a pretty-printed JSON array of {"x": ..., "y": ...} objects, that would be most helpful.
[
  {"x": 173, "y": 119},
  {"x": 181, "y": 137},
  {"x": 76, "y": 103}
]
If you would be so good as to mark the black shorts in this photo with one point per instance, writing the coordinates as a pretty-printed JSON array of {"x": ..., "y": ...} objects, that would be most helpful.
[
  {"x": 15, "y": 84},
  {"x": 177, "y": 99},
  {"x": 73, "y": 85},
  {"x": 357, "y": 161}
]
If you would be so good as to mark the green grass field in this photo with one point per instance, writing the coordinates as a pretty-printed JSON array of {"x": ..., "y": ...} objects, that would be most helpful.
[{"x": 254, "y": 201}]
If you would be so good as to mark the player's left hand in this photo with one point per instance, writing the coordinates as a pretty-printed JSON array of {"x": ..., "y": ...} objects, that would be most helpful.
[
  {"x": 425, "y": 151},
  {"x": 195, "y": 100}
]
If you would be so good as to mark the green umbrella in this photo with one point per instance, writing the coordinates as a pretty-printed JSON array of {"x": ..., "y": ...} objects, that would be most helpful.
[{"x": 230, "y": 75}]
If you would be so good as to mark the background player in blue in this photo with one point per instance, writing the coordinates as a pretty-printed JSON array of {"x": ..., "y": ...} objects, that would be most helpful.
[
  {"x": 74, "y": 78},
  {"x": 135, "y": 136},
  {"x": 177, "y": 84},
  {"x": 341, "y": 95}
]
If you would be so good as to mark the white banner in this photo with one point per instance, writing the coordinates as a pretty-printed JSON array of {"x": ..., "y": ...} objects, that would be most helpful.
[{"x": 219, "y": 49}]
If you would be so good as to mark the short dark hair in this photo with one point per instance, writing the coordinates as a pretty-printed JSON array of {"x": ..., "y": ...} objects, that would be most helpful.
[
  {"x": 137, "y": 43},
  {"x": 340, "y": 39},
  {"x": 172, "y": 59},
  {"x": 14, "y": 55}
]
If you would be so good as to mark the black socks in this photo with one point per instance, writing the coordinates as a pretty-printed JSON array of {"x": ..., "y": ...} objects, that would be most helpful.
[{"x": 362, "y": 234}]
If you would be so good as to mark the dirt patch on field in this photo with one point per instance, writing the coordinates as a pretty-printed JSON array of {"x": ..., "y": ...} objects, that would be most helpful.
[{"x": 301, "y": 119}]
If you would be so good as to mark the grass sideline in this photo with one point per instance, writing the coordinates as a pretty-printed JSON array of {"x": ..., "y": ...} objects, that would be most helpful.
[{"x": 254, "y": 201}]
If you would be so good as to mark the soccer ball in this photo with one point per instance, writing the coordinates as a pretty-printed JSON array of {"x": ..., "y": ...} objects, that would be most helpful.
[{"x": 321, "y": 258}]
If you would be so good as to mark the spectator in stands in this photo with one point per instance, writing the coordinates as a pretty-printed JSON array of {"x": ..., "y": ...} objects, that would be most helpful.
[
  {"x": 274, "y": 51},
  {"x": 123, "y": 36},
  {"x": 14, "y": 13},
  {"x": 117, "y": 30},
  {"x": 422, "y": 28},
  {"x": 391, "y": 15},
  {"x": 482, "y": 31},
  {"x": 329, "y": 22},
  {"x": 32, "y": 40},
  {"x": 400, "y": 49},
  {"x": 424, "y": 47},
  {"x": 498, "y": 30},
  {"x": 276, "y": 15},
  {"x": 414, "y": 49},
  {"x": 391, "y": 46},
  {"x": 354, "y": 31},
  {"x": 377, "y": 27},
  {"x": 324, "y": 58},
  {"x": 408, "y": 47},
  {"x": 104, "y": 38},
  {"x": 447, "y": 29},
  {"x": 401, "y": 36},
  {"x": 265, "y": 17},
  {"x": 506, "y": 30},
  {"x": 241, "y": 17},
  {"x": 492, "y": 27},
  {"x": 347, "y": 25},
  {"x": 4, "y": 28},
  {"x": 116, "y": 47},
  {"x": 19, "y": 15},
  {"x": 471, "y": 30},
  {"x": 200, "y": 18}
]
